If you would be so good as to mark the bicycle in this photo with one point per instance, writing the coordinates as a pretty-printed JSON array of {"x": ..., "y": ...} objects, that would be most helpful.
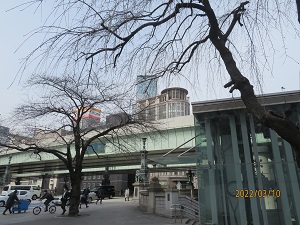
[{"x": 38, "y": 209}]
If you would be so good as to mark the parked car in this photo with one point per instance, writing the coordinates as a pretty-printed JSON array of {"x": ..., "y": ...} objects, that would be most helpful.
[
  {"x": 34, "y": 190},
  {"x": 22, "y": 195},
  {"x": 57, "y": 200},
  {"x": 108, "y": 191},
  {"x": 92, "y": 196}
]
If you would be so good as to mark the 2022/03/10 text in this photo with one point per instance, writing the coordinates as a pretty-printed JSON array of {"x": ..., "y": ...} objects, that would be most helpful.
[{"x": 260, "y": 193}]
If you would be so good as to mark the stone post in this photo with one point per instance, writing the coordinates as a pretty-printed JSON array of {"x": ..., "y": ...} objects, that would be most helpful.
[
  {"x": 171, "y": 197},
  {"x": 137, "y": 188},
  {"x": 154, "y": 188}
]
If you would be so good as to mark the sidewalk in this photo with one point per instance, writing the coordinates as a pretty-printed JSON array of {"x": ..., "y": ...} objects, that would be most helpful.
[{"x": 112, "y": 212}]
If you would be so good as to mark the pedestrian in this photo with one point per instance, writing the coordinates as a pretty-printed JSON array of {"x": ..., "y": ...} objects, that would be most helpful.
[
  {"x": 64, "y": 199},
  {"x": 84, "y": 197},
  {"x": 100, "y": 196},
  {"x": 10, "y": 201},
  {"x": 127, "y": 194},
  {"x": 48, "y": 198}
]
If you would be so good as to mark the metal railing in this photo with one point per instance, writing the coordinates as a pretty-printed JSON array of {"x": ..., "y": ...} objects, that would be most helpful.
[
  {"x": 179, "y": 210},
  {"x": 180, "y": 146}
]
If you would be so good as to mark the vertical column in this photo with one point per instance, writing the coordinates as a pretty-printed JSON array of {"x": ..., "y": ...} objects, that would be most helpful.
[
  {"x": 45, "y": 181},
  {"x": 224, "y": 195},
  {"x": 280, "y": 180},
  {"x": 293, "y": 178},
  {"x": 237, "y": 168},
  {"x": 7, "y": 175},
  {"x": 200, "y": 171},
  {"x": 249, "y": 169},
  {"x": 211, "y": 174},
  {"x": 258, "y": 172},
  {"x": 106, "y": 175}
]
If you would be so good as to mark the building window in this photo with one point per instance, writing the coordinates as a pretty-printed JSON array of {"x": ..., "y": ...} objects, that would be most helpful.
[
  {"x": 178, "y": 109},
  {"x": 181, "y": 95},
  {"x": 151, "y": 113},
  {"x": 162, "y": 112},
  {"x": 169, "y": 95},
  {"x": 177, "y": 94},
  {"x": 162, "y": 98},
  {"x": 187, "y": 109}
]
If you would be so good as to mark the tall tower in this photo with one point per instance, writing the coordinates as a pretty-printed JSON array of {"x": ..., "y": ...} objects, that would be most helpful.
[
  {"x": 4, "y": 131},
  {"x": 146, "y": 87}
]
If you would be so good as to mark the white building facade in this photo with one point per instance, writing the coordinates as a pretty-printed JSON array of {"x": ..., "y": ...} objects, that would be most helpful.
[{"x": 173, "y": 102}]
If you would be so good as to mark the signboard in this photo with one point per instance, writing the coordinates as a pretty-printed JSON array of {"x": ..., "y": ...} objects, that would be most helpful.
[
  {"x": 98, "y": 147},
  {"x": 89, "y": 112}
]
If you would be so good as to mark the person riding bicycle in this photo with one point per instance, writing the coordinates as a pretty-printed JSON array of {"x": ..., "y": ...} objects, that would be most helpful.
[{"x": 48, "y": 198}]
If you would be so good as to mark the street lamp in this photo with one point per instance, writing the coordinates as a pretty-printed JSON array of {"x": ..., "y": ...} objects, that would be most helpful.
[
  {"x": 144, "y": 164},
  {"x": 190, "y": 176}
]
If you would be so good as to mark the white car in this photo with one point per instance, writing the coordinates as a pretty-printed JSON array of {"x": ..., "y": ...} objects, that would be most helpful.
[
  {"x": 92, "y": 196},
  {"x": 57, "y": 200},
  {"x": 22, "y": 195}
]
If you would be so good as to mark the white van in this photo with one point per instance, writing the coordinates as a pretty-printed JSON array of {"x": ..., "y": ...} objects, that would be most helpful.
[{"x": 34, "y": 190}]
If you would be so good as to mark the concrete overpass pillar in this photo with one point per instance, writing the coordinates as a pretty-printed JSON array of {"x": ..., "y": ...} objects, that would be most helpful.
[{"x": 45, "y": 181}]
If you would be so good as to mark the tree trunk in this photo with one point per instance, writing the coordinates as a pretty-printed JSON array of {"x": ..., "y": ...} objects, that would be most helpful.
[
  {"x": 284, "y": 127},
  {"x": 75, "y": 193}
]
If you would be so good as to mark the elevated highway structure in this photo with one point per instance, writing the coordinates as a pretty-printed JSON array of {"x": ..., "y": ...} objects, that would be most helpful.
[{"x": 171, "y": 145}]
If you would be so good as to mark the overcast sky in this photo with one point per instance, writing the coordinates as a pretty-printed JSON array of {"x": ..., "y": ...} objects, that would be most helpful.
[{"x": 15, "y": 24}]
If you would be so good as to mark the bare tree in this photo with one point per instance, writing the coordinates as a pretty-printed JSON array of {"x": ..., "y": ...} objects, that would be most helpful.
[
  {"x": 62, "y": 105},
  {"x": 174, "y": 37},
  {"x": 298, "y": 9}
]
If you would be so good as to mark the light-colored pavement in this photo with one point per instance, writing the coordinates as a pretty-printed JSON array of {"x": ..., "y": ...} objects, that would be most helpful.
[{"x": 112, "y": 212}]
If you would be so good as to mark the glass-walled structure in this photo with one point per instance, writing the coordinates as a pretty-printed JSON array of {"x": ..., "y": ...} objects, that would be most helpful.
[
  {"x": 246, "y": 173},
  {"x": 146, "y": 87},
  {"x": 173, "y": 102}
]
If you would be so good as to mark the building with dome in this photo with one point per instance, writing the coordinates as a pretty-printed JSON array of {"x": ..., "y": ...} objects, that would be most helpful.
[{"x": 172, "y": 102}]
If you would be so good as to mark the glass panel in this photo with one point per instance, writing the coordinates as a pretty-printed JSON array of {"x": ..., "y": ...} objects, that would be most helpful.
[
  {"x": 177, "y": 94},
  {"x": 152, "y": 113},
  {"x": 162, "y": 111},
  {"x": 246, "y": 173}
]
